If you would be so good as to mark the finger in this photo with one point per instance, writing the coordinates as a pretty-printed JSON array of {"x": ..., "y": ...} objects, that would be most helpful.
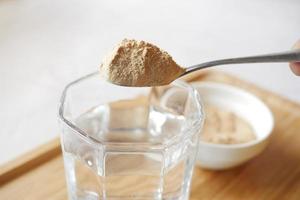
[{"x": 295, "y": 67}]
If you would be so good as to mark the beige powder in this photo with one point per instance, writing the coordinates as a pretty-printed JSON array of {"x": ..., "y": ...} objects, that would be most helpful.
[
  {"x": 138, "y": 63},
  {"x": 224, "y": 127}
]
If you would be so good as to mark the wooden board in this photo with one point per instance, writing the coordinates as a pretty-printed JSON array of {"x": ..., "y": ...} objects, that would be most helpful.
[{"x": 275, "y": 174}]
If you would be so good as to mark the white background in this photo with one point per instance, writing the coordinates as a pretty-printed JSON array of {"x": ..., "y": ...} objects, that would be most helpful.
[{"x": 46, "y": 43}]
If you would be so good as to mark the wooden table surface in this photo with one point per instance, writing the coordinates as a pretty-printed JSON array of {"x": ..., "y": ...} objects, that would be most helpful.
[{"x": 275, "y": 174}]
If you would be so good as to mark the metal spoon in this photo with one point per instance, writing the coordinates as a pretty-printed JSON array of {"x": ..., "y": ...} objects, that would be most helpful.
[{"x": 288, "y": 56}]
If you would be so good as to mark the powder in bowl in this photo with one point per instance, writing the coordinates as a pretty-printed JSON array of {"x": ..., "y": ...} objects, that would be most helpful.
[{"x": 225, "y": 127}]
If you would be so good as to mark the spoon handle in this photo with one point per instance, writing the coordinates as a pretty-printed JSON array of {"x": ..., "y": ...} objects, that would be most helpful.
[{"x": 288, "y": 56}]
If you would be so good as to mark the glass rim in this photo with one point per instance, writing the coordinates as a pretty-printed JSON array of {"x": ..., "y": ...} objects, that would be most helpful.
[{"x": 93, "y": 140}]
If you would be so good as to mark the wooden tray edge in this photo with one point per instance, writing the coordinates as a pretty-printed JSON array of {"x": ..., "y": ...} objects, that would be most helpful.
[{"x": 30, "y": 160}]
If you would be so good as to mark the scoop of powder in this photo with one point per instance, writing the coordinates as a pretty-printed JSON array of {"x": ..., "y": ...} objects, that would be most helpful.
[{"x": 138, "y": 63}]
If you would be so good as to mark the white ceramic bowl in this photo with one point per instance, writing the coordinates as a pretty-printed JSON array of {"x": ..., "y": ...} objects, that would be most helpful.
[{"x": 245, "y": 105}]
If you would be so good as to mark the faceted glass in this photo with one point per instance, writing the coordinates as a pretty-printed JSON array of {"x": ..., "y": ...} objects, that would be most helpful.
[{"x": 129, "y": 143}]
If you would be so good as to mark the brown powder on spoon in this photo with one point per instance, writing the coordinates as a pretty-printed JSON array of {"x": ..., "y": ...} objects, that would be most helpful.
[{"x": 138, "y": 63}]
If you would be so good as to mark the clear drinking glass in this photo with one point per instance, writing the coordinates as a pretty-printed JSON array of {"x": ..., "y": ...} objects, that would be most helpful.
[{"x": 129, "y": 143}]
